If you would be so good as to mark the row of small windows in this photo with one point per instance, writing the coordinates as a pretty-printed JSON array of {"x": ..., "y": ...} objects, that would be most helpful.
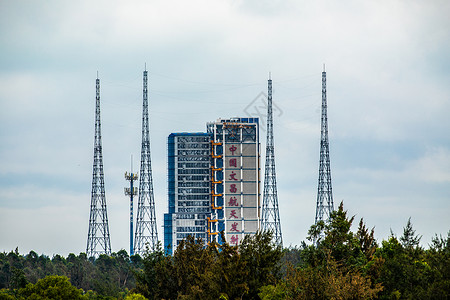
[
  {"x": 194, "y": 158},
  {"x": 194, "y": 178},
  {"x": 193, "y": 165},
  {"x": 190, "y": 139},
  {"x": 193, "y": 197},
  {"x": 194, "y": 146},
  {"x": 193, "y": 184},
  {"x": 193, "y": 191},
  {"x": 190, "y": 229},
  {"x": 193, "y": 171},
  {"x": 193, "y": 152},
  {"x": 201, "y": 217},
  {"x": 194, "y": 209},
  {"x": 193, "y": 203},
  {"x": 185, "y": 216}
]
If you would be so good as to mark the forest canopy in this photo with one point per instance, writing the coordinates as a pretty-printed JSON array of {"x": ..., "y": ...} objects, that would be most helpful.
[{"x": 335, "y": 263}]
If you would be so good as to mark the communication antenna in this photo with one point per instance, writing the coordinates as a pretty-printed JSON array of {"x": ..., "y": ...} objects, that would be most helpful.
[
  {"x": 146, "y": 231},
  {"x": 324, "y": 191},
  {"x": 131, "y": 192},
  {"x": 270, "y": 219},
  {"x": 98, "y": 241}
]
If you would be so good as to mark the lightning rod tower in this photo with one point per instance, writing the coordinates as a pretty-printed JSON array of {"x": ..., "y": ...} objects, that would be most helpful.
[
  {"x": 146, "y": 231},
  {"x": 131, "y": 191},
  {"x": 324, "y": 192},
  {"x": 98, "y": 241},
  {"x": 270, "y": 219}
]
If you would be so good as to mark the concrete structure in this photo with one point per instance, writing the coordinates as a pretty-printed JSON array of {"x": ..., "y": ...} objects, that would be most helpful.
[{"x": 235, "y": 179}]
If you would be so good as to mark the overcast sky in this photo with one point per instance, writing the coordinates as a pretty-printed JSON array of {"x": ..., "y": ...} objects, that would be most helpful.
[{"x": 388, "y": 75}]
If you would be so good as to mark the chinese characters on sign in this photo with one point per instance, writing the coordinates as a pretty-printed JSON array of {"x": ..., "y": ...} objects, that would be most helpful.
[
  {"x": 233, "y": 202},
  {"x": 240, "y": 190},
  {"x": 234, "y": 226},
  {"x": 233, "y": 176},
  {"x": 232, "y": 162},
  {"x": 236, "y": 180},
  {"x": 232, "y": 149},
  {"x": 234, "y": 192}
]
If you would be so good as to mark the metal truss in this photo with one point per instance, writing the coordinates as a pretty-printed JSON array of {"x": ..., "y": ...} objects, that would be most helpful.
[
  {"x": 270, "y": 219},
  {"x": 98, "y": 241}
]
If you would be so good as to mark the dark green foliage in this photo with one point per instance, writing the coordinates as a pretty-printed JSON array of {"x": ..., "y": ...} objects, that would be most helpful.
[
  {"x": 232, "y": 272},
  {"x": 340, "y": 264},
  {"x": 410, "y": 272},
  {"x": 262, "y": 259},
  {"x": 18, "y": 279},
  {"x": 106, "y": 276},
  {"x": 51, "y": 287},
  {"x": 196, "y": 272},
  {"x": 336, "y": 266},
  {"x": 153, "y": 279}
]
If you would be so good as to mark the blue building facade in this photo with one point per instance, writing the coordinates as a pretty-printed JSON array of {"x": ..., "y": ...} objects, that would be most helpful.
[{"x": 188, "y": 188}]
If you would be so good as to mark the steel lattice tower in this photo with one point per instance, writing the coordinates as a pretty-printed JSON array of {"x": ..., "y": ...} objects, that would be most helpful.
[
  {"x": 146, "y": 232},
  {"x": 270, "y": 220},
  {"x": 98, "y": 241},
  {"x": 324, "y": 192}
]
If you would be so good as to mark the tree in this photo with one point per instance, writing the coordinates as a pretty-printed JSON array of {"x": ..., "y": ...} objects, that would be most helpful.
[
  {"x": 51, "y": 287},
  {"x": 410, "y": 272},
  {"x": 231, "y": 269},
  {"x": 329, "y": 281},
  {"x": 409, "y": 239},
  {"x": 211, "y": 272},
  {"x": 194, "y": 269},
  {"x": 133, "y": 296},
  {"x": 336, "y": 266},
  {"x": 438, "y": 257},
  {"x": 155, "y": 279},
  {"x": 18, "y": 279},
  {"x": 262, "y": 261}
]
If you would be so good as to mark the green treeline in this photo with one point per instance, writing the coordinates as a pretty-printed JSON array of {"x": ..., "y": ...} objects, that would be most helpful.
[
  {"x": 105, "y": 276},
  {"x": 339, "y": 264}
]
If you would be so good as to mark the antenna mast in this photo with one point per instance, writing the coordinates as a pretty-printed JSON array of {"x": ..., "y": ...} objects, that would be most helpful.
[
  {"x": 270, "y": 215},
  {"x": 146, "y": 231},
  {"x": 324, "y": 193},
  {"x": 98, "y": 241}
]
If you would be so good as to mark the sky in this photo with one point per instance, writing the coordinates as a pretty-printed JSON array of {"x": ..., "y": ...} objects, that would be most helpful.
[{"x": 388, "y": 92}]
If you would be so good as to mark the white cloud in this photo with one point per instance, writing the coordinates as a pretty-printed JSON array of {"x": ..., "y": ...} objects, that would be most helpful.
[
  {"x": 388, "y": 99},
  {"x": 433, "y": 167}
]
